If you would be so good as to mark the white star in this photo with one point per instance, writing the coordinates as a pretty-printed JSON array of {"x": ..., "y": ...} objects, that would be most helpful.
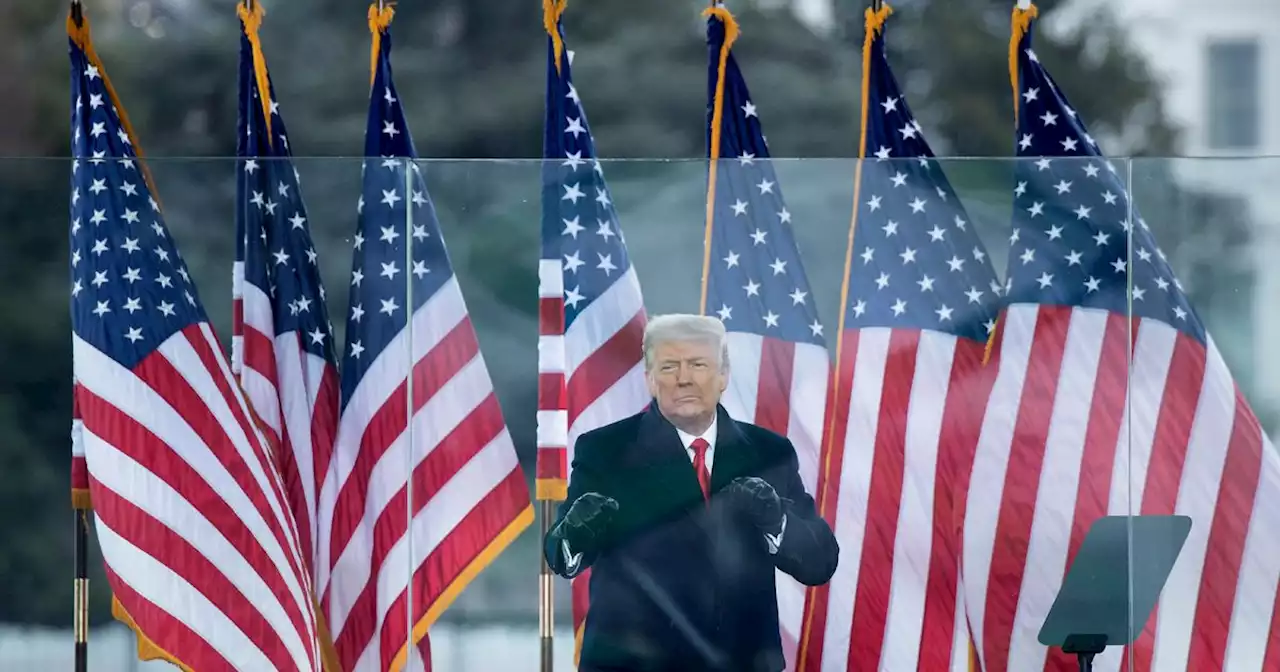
[
  {"x": 99, "y": 278},
  {"x": 1028, "y": 256},
  {"x": 974, "y": 295},
  {"x": 908, "y": 255},
  {"x": 882, "y": 281},
  {"x": 572, "y": 262},
  {"x": 134, "y": 334},
  {"x": 779, "y": 266},
  {"x": 1119, "y": 265},
  {"x": 1143, "y": 254},
  {"x": 420, "y": 269},
  {"x": 389, "y": 128},
  {"x": 739, "y": 208},
  {"x": 907, "y": 131},
  {"x": 317, "y": 336},
  {"x": 868, "y": 253},
  {"x": 102, "y": 308},
  {"x": 281, "y": 257},
  {"x": 725, "y": 312},
  {"x": 890, "y": 228},
  {"x": 1091, "y": 170},
  {"x": 874, "y": 203},
  {"x": 752, "y": 287},
  {"x": 899, "y": 307},
  {"x": 606, "y": 263},
  {"x": 166, "y": 308},
  {"x": 917, "y": 205},
  {"x": 1091, "y": 284},
  {"x": 573, "y": 92},
  {"x": 573, "y": 160},
  {"x": 1073, "y": 259},
  {"x": 1020, "y": 189},
  {"x": 388, "y": 306},
  {"x": 1049, "y": 118},
  {"x": 926, "y": 283},
  {"x": 98, "y": 187},
  {"x": 899, "y": 179},
  {"x": 1042, "y": 164},
  {"x": 1138, "y": 293},
  {"x": 77, "y": 288},
  {"x": 1055, "y": 232},
  {"x": 770, "y": 319},
  {"x": 99, "y": 247},
  {"x": 132, "y": 275},
  {"x": 765, "y": 187},
  {"x": 889, "y": 104},
  {"x": 357, "y": 277},
  {"x": 575, "y": 127},
  {"x": 1025, "y": 141},
  {"x": 816, "y": 328},
  {"x": 1109, "y": 197},
  {"x": 130, "y": 245},
  {"x": 746, "y": 159},
  {"x": 1180, "y": 313},
  {"x": 389, "y": 270},
  {"x": 572, "y": 193},
  {"x": 1031, "y": 94},
  {"x": 797, "y": 297},
  {"x": 357, "y": 312},
  {"x": 164, "y": 281},
  {"x": 731, "y": 260},
  {"x": 573, "y": 297},
  {"x": 572, "y": 228},
  {"x": 749, "y": 109},
  {"x": 297, "y": 220},
  {"x": 389, "y": 234},
  {"x": 1101, "y": 238},
  {"x": 956, "y": 264},
  {"x": 1069, "y": 144},
  {"x": 1063, "y": 187},
  {"x": 389, "y": 196},
  {"x": 1045, "y": 280},
  {"x": 883, "y": 153},
  {"x": 944, "y": 314},
  {"x": 356, "y": 350},
  {"x": 936, "y": 233},
  {"x": 603, "y": 229},
  {"x": 1082, "y": 213},
  {"x": 602, "y": 197},
  {"x": 784, "y": 216},
  {"x": 859, "y": 308},
  {"x": 757, "y": 236}
]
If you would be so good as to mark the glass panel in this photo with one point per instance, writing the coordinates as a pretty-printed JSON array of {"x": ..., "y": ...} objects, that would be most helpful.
[
  {"x": 959, "y": 492},
  {"x": 1212, "y": 459}
]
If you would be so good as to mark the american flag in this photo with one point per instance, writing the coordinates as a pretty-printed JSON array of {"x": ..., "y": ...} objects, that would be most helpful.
[
  {"x": 910, "y": 388},
  {"x": 755, "y": 283},
  {"x": 1062, "y": 444},
  {"x": 289, "y": 372},
  {"x": 591, "y": 314},
  {"x": 467, "y": 494},
  {"x": 200, "y": 548}
]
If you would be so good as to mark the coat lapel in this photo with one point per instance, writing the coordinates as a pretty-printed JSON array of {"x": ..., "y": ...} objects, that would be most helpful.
[
  {"x": 733, "y": 451},
  {"x": 664, "y": 457}
]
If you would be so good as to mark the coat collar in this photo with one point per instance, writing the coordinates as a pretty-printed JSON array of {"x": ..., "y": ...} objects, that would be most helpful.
[{"x": 661, "y": 442}]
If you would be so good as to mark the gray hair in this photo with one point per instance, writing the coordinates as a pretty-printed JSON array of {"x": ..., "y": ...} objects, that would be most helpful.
[{"x": 685, "y": 327}]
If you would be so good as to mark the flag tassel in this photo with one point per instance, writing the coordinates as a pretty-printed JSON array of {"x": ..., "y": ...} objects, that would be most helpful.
[
  {"x": 380, "y": 16},
  {"x": 251, "y": 13},
  {"x": 717, "y": 119}
]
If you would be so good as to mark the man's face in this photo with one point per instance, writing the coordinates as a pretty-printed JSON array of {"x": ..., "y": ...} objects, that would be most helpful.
[{"x": 686, "y": 379}]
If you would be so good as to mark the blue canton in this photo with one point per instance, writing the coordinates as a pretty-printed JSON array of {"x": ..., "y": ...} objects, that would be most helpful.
[
  {"x": 398, "y": 246},
  {"x": 755, "y": 282},
  {"x": 130, "y": 289},
  {"x": 579, "y": 224},
  {"x": 280, "y": 258},
  {"x": 917, "y": 262},
  {"x": 1072, "y": 217}
]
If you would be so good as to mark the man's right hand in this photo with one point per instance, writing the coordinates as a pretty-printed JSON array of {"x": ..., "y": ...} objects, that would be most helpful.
[{"x": 586, "y": 522}]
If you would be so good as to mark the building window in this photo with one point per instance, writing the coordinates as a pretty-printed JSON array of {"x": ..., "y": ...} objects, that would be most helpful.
[{"x": 1233, "y": 94}]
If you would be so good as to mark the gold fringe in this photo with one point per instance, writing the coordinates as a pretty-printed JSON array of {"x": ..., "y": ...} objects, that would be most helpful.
[
  {"x": 252, "y": 20},
  {"x": 80, "y": 500},
  {"x": 379, "y": 21},
  {"x": 82, "y": 37},
  {"x": 328, "y": 653},
  {"x": 495, "y": 547},
  {"x": 147, "y": 649},
  {"x": 717, "y": 119},
  {"x": 551, "y": 11},
  {"x": 873, "y": 25},
  {"x": 555, "y": 489}
]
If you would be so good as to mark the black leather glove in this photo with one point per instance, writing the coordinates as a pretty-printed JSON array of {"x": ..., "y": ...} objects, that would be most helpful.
[
  {"x": 757, "y": 501},
  {"x": 586, "y": 522}
]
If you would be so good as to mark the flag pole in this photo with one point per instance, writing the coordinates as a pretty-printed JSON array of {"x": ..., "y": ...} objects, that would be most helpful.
[
  {"x": 546, "y": 601},
  {"x": 81, "y": 616}
]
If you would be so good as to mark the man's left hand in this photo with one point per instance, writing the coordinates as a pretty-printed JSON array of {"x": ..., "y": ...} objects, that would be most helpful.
[{"x": 755, "y": 499}]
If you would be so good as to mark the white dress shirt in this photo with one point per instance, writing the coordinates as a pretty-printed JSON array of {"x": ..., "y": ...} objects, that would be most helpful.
[{"x": 573, "y": 560}]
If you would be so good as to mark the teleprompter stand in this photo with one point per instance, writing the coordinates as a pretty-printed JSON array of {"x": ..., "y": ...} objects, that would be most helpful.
[{"x": 1091, "y": 611}]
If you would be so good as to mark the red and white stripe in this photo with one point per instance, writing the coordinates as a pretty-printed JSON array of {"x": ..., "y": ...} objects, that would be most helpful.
[
  {"x": 1075, "y": 432},
  {"x": 469, "y": 496},
  {"x": 782, "y": 386},
  {"x": 600, "y": 358},
  {"x": 237, "y": 316},
  {"x": 295, "y": 394},
  {"x": 79, "y": 470},
  {"x": 903, "y": 429},
  {"x": 195, "y": 531}
]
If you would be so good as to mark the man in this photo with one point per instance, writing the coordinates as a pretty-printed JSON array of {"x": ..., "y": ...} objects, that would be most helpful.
[{"x": 683, "y": 514}]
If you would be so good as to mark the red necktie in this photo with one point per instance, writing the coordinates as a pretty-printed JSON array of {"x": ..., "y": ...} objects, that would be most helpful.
[{"x": 700, "y": 447}]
